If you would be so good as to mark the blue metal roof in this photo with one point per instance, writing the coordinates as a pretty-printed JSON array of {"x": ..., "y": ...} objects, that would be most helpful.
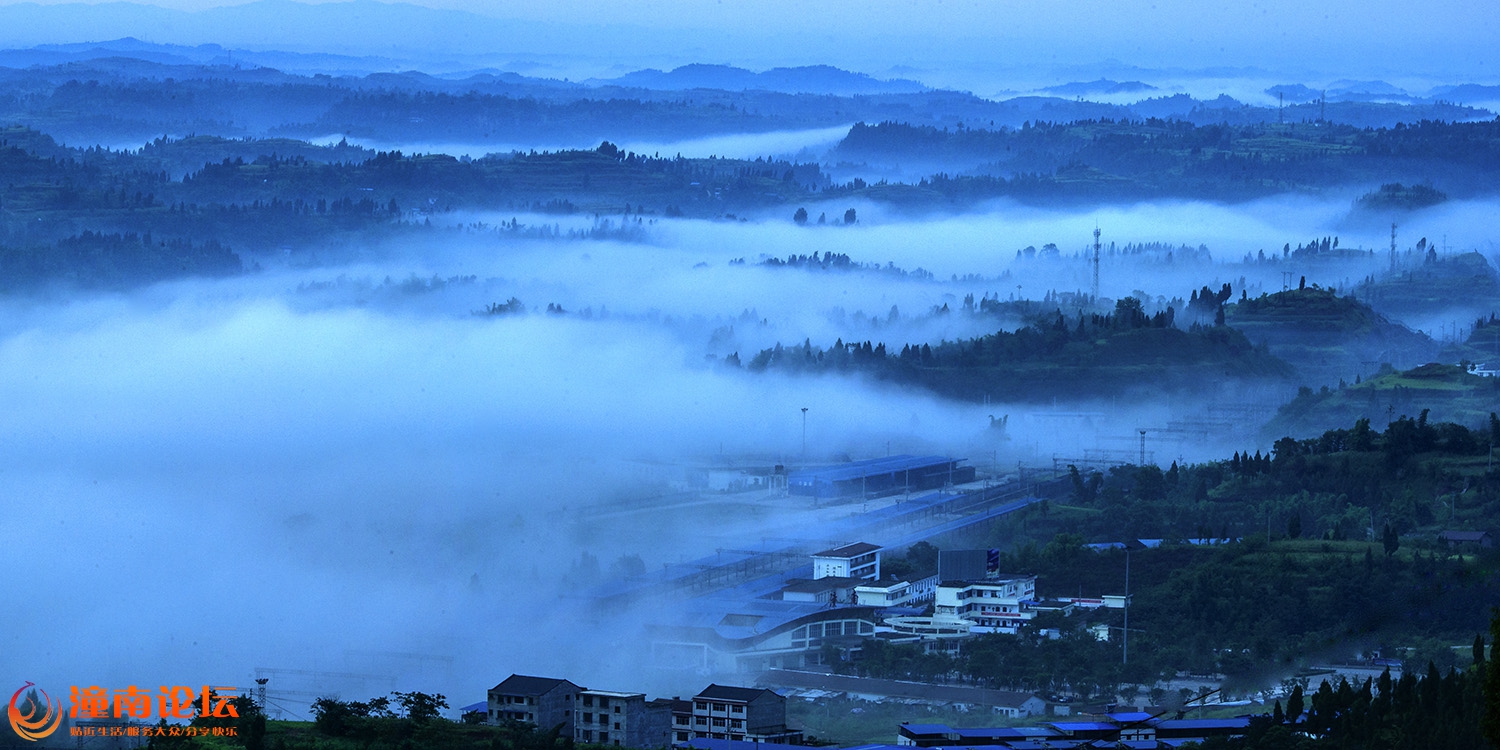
[
  {"x": 869, "y": 467},
  {"x": 1084, "y": 726},
  {"x": 1236, "y": 723},
  {"x": 1132, "y": 717}
]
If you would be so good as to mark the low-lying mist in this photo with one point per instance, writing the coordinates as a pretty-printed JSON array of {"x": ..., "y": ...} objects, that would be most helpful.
[{"x": 331, "y": 465}]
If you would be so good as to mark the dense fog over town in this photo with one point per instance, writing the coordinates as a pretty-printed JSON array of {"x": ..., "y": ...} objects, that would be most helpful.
[{"x": 358, "y": 362}]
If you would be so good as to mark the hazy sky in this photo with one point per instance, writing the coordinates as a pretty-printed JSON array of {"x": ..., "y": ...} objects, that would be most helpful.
[{"x": 1334, "y": 38}]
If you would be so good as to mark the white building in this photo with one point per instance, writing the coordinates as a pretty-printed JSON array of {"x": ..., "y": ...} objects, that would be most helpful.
[
  {"x": 892, "y": 593},
  {"x": 996, "y": 605},
  {"x": 858, "y": 560}
]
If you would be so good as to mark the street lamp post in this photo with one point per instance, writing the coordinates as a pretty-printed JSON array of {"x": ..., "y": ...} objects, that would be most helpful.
[{"x": 804, "y": 434}]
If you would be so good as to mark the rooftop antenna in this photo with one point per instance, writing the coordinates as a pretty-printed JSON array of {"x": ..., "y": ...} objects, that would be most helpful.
[{"x": 1096, "y": 262}]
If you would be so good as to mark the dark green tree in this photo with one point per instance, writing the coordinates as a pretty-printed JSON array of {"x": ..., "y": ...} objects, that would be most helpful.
[
  {"x": 421, "y": 707},
  {"x": 1491, "y": 719}
]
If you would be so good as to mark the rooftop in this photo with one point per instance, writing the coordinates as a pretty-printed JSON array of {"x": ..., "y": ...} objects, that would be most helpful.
[
  {"x": 1463, "y": 536},
  {"x": 856, "y": 469},
  {"x": 819, "y": 585},
  {"x": 519, "y": 684},
  {"x": 895, "y": 688},
  {"x": 731, "y": 693},
  {"x": 613, "y": 694},
  {"x": 849, "y": 550}
]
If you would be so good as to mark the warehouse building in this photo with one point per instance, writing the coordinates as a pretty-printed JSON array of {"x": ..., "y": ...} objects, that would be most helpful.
[{"x": 879, "y": 476}]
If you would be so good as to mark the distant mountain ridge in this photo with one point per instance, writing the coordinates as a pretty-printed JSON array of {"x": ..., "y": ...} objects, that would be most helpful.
[
  {"x": 1101, "y": 86},
  {"x": 809, "y": 79}
]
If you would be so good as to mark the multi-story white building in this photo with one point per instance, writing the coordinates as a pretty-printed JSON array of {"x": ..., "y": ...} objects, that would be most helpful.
[
  {"x": 892, "y": 593},
  {"x": 994, "y": 605},
  {"x": 858, "y": 560}
]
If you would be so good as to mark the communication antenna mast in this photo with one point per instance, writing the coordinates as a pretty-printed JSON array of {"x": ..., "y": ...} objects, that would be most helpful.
[
  {"x": 1096, "y": 262},
  {"x": 1143, "y": 447},
  {"x": 1281, "y": 108},
  {"x": 1393, "y": 246}
]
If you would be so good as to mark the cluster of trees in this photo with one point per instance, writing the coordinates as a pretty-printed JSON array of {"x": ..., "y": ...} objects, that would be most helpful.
[
  {"x": 831, "y": 261},
  {"x": 1459, "y": 710},
  {"x": 93, "y": 259},
  {"x": 1048, "y": 358},
  {"x": 1287, "y": 577},
  {"x": 799, "y": 217},
  {"x": 399, "y": 721},
  {"x": 1160, "y": 157},
  {"x": 337, "y": 718},
  {"x": 1076, "y": 663}
]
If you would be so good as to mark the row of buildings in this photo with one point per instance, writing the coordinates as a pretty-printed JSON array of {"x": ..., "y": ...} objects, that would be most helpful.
[
  {"x": 1131, "y": 729},
  {"x": 607, "y": 717},
  {"x": 724, "y": 717},
  {"x": 842, "y": 598}
]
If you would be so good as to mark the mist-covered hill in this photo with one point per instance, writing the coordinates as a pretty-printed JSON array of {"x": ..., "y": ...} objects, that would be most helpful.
[
  {"x": 1174, "y": 157},
  {"x": 1328, "y": 338},
  {"x": 1121, "y": 353},
  {"x": 1445, "y": 393}
]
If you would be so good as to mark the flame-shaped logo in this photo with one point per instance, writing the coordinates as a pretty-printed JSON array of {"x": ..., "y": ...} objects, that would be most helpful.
[{"x": 28, "y": 724}]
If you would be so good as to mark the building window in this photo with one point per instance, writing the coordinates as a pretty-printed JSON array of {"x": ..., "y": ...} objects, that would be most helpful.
[
  {"x": 701, "y": 721},
  {"x": 718, "y": 722},
  {"x": 617, "y": 725},
  {"x": 737, "y": 709},
  {"x": 682, "y": 736},
  {"x": 617, "y": 709},
  {"x": 603, "y": 737},
  {"x": 721, "y": 707},
  {"x": 701, "y": 705},
  {"x": 588, "y": 700},
  {"x": 588, "y": 718},
  {"x": 603, "y": 702},
  {"x": 588, "y": 735}
]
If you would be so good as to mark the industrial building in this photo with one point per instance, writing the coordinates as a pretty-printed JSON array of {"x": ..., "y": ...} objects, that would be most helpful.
[{"x": 879, "y": 476}]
